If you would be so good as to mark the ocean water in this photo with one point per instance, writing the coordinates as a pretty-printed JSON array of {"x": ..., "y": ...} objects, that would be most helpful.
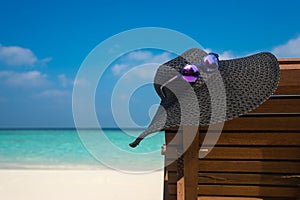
[{"x": 66, "y": 149}]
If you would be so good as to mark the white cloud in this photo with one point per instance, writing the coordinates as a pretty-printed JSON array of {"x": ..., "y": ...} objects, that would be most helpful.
[
  {"x": 44, "y": 61},
  {"x": 137, "y": 58},
  {"x": 4, "y": 74},
  {"x": 23, "y": 79},
  {"x": 225, "y": 55},
  {"x": 115, "y": 48},
  {"x": 19, "y": 56},
  {"x": 148, "y": 57},
  {"x": 81, "y": 82},
  {"x": 208, "y": 50},
  {"x": 64, "y": 81},
  {"x": 118, "y": 69},
  {"x": 140, "y": 55},
  {"x": 289, "y": 49},
  {"x": 144, "y": 72},
  {"x": 54, "y": 93},
  {"x": 161, "y": 58}
]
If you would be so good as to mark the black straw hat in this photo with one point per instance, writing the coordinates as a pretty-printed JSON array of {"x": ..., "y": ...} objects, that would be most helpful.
[{"x": 239, "y": 86}]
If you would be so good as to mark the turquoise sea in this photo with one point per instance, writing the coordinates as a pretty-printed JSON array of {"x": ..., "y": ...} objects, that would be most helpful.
[{"x": 65, "y": 149}]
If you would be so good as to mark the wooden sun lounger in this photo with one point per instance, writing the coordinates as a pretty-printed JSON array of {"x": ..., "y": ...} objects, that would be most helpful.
[{"x": 256, "y": 157}]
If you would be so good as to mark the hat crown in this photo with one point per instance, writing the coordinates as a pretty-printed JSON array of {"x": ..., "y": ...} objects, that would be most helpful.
[{"x": 171, "y": 68}]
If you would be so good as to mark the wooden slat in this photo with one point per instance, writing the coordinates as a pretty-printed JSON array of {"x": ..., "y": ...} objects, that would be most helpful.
[
  {"x": 248, "y": 179},
  {"x": 287, "y": 167},
  {"x": 255, "y": 153},
  {"x": 295, "y": 62},
  {"x": 264, "y": 123},
  {"x": 182, "y": 190},
  {"x": 170, "y": 138},
  {"x": 282, "y": 90},
  {"x": 289, "y": 66},
  {"x": 250, "y": 191},
  {"x": 288, "y": 60},
  {"x": 172, "y": 167},
  {"x": 261, "y": 123},
  {"x": 172, "y": 177},
  {"x": 289, "y": 77},
  {"x": 279, "y": 106},
  {"x": 171, "y": 197},
  {"x": 227, "y": 198},
  {"x": 263, "y": 139},
  {"x": 171, "y": 152},
  {"x": 190, "y": 159},
  {"x": 289, "y": 82},
  {"x": 172, "y": 189}
]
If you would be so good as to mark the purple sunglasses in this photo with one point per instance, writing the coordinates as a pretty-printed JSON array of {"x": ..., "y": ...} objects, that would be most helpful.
[{"x": 191, "y": 74}]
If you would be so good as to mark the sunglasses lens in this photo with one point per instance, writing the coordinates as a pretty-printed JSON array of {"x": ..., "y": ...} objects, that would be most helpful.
[
  {"x": 190, "y": 73},
  {"x": 210, "y": 63}
]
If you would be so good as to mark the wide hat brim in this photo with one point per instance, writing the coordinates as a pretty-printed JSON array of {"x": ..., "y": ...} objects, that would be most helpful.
[{"x": 239, "y": 86}]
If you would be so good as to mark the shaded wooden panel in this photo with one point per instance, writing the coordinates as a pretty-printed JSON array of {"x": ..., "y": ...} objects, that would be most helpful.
[
  {"x": 171, "y": 139},
  {"x": 254, "y": 138},
  {"x": 172, "y": 177},
  {"x": 172, "y": 189},
  {"x": 254, "y": 123},
  {"x": 288, "y": 90},
  {"x": 248, "y": 179},
  {"x": 172, "y": 197},
  {"x": 289, "y": 77},
  {"x": 172, "y": 167},
  {"x": 289, "y": 82},
  {"x": 287, "y": 167},
  {"x": 228, "y": 198},
  {"x": 255, "y": 153},
  {"x": 284, "y": 167},
  {"x": 279, "y": 106},
  {"x": 247, "y": 191},
  {"x": 171, "y": 152}
]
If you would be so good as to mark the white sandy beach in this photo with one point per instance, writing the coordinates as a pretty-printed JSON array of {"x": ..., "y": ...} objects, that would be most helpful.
[{"x": 79, "y": 185}]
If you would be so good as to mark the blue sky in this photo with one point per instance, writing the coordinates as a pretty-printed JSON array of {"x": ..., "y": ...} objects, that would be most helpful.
[{"x": 43, "y": 43}]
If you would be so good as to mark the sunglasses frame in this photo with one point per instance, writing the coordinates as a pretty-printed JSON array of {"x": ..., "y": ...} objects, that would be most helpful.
[{"x": 199, "y": 66}]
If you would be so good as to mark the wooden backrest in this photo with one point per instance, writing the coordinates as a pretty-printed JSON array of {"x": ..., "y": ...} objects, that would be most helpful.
[{"x": 257, "y": 154}]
